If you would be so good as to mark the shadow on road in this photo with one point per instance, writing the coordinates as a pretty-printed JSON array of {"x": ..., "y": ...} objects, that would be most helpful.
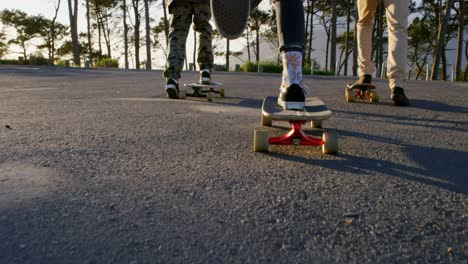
[
  {"x": 438, "y": 106},
  {"x": 442, "y": 168},
  {"x": 454, "y": 125}
]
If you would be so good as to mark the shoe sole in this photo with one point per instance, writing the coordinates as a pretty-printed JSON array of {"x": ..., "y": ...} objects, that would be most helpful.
[
  {"x": 172, "y": 93},
  {"x": 398, "y": 101},
  {"x": 230, "y": 16},
  {"x": 288, "y": 105}
]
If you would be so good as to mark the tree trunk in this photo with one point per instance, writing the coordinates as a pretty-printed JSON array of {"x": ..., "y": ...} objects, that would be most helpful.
[
  {"x": 136, "y": 4},
  {"x": 458, "y": 58},
  {"x": 148, "y": 36},
  {"x": 333, "y": 38},
  {"x": 166, "y": 24},
  {"x": 227, "y": 54},
  {"x": 311, "y": 34},
  {"x": 99, "y": 36},
  {"x": 248, "y": 45},
  {"x": 88, "y": 29},
  {"x": 440, "y": 40},
  {"x": 194, "y": 50},
  {"x": 257, "y": 33},
  {"x": 124, "y": 8},
  {"x": 348, "y": 21},
  {"x": 73, "y": 15},
  {"x": 53, "y": 36},
  {"x": 304, "y": 56}
]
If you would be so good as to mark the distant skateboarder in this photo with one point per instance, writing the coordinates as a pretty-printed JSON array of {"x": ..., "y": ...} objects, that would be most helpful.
[
  {"x": 397, "y": 12},
  {"x": 183, "y": 12}
]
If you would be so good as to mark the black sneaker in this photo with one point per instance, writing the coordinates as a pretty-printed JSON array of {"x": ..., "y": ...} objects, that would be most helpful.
[
  {"x": 172, "y": 89},
  {"x": 205, "y": 77},
  {"x": 366, "y": 78},
  {"x": 292, "y": 98},
  {"x": 398, "y": 96}
]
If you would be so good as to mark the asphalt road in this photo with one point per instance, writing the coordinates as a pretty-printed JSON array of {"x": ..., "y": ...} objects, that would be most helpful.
[{"x": 98, "y": 166}]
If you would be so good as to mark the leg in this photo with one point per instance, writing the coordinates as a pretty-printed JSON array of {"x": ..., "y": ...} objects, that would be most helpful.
[
  {"x": 397, "y": 19},
  {"x": 201, "y": 21},
  {"x": 179, "y": 28},
  {"x": 291, "y": 36},
  {"x": 291, "y": 25},
  {"x": 397, "y": 12},
  {"x": 366, "y": 10}
]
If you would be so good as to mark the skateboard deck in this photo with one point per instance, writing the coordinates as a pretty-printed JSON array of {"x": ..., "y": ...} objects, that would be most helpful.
[
  {"x": 203, "y": 90},
  {"x": 363, "y": 92},
  {"x": 230, "y": 16},
  {"x": 314, "y": 111}
]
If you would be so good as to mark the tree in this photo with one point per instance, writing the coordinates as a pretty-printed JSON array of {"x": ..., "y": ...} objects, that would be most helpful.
[
  {"x": 148, "y": 36},
  {"x": 256, "y": 20},
  {"x": 420, "y": 44},
  {"x": 136, "y": 11},
  {"x": 73, "y": 16},
  {"x": 51, "y": 32},
  {"x": 461, "y": 28},
  {"x": 125, "y": 26},
  {"x": 440, "y": 40},
  {"x": 88, "y": 29},
  {"x": 103, "y": 12},
  {"x": 25, "y": 26},
  {"x": 333, "y": 37}
]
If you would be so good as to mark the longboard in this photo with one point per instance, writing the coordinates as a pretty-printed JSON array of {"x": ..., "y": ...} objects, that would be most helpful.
[
  {"x": 315, "y": 111},
  {"x": 203, "y": 90},
  {"x": 361, "y": 92}
]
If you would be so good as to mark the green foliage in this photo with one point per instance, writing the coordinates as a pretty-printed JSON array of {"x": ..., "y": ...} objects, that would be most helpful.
[
  {"x": 63, "y": 63},
  {"x": 10, "y": 62},
  {"x": 273, "y": 67},
  {"x": 3, "y": 45},
  {"x": 107, "y": 63},
  {"x": 26, "y": 27}
]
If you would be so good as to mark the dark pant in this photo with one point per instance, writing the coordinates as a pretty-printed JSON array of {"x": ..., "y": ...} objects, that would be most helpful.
[{"x": 291, "y": 25}]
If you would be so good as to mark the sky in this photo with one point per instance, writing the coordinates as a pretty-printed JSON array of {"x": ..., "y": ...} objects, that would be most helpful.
[{"x": 47, "y": 9}]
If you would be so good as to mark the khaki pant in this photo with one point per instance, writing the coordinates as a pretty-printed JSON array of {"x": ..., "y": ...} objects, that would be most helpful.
[{"x": 397, "y": 12}]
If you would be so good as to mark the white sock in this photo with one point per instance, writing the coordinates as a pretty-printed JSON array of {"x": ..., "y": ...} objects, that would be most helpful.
[{"x": 292, "y": 69}]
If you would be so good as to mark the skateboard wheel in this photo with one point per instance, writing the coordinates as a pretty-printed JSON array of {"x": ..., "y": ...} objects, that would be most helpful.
[
  {"x": 209, "y": 96},
  {"x": 261, "y": 141},
  {"x": 373, "y": 97},
  {"x": 316, "y": 124},
  {"x": 221, "y": 92},
  {"x": 182, "y": 94},
  {"x": 349, "y": 96},
  {"x": 330, "y": 143},
  {"x": 266, "y": 121}
]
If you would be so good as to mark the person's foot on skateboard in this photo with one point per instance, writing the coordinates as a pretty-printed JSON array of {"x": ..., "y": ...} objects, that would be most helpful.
[
  {"x": 205, "y": 76},
  {"x": 398, "y": 96},
  {"x": 172, "y": 88},
  {"x": 364, "y": 79},
  {"x": 292, "y": 97}
]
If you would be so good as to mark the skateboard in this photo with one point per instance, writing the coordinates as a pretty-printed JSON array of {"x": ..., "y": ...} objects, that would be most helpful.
[
  {"x": 315, "y": 112},
  {"x": 363, "y": 92},
  {"x": 230, "y": 17},
  {"x": 203, "y": 90}
]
